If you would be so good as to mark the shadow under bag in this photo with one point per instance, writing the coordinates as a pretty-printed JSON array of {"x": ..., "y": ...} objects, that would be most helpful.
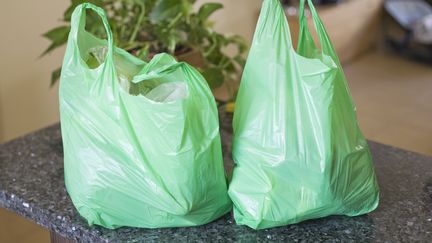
[
  {"x": 297, "y": 146},
  {"x": 141, "y": 140}
]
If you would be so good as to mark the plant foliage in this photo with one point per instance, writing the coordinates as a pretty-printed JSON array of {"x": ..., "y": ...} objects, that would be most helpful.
[{"x": 147, "y": 27}]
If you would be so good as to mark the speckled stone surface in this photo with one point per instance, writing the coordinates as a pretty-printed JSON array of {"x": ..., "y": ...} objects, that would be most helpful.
[{"x": 31, "y": 184}]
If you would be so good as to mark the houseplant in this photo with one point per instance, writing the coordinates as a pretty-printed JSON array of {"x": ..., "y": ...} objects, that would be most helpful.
[{"x": 147, "y": 27}]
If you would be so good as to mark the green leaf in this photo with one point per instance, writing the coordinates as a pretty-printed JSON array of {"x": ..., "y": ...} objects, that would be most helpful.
[
  {"x": 165, "y": 9},
  {"x": 57, "y": 34},
  {"x": 58, "y": 37},
  {"x": 49, "y": 49},
  {"x": 241, "y": 43},
  {"x": 68, "y": 13},
  {"x": 208, "y": 9},
  {"x": 187, "y": 7},
  {"x": 92, "y": 61},
  {"x": 55, "y": 76},
  {"x": 165, "y": 26},
  {"x": 214, "y": 77},
  {"x": 229, "y": 66}
]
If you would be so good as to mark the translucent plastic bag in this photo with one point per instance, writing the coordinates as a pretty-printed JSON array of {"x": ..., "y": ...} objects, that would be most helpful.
[
  {"x": 298, "y": 150},
  {"x": 141, "y": 140}
]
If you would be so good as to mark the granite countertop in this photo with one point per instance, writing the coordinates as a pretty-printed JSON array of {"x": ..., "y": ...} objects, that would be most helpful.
[{"x": 32, "y": 185}]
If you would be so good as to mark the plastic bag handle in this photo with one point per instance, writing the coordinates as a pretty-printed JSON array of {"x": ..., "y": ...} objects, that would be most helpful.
[
  {"x": 271, "y": 18},
  {"x": 78, "y": 23},
  {"x": 150, "y": 72},
  {"x": 324, "y": 39},
  {"x": 193, "y": 78},
  {"x": 158, "y": 73}
]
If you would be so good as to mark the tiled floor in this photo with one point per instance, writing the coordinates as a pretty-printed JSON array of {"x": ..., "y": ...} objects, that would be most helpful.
[{"x": 394, "y": 105}]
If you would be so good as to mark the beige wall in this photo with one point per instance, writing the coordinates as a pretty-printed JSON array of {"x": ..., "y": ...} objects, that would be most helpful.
[
  {"x": 26, "y": 101},
  {"x": 237, "y": 17}
]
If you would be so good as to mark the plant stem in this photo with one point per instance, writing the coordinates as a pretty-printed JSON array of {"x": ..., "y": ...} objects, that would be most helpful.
[
  {"x": 212, "y": 47},
  {"x": 174, "y": 21},
  {"x": 138, "y": 24}
]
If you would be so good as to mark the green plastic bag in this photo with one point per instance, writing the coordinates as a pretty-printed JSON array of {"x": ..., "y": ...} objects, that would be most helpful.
[
  {"x": 141, "y": 140},
  {"x": 297, "y": 146}
]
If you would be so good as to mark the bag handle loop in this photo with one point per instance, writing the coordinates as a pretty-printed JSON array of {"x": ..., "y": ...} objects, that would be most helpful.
[
  {"x": 78, "y": 24},
  {"x": 271, "y": 18},
  {"x": 324, "y": 40}
]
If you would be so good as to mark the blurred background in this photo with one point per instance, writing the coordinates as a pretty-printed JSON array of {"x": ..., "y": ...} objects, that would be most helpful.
[{"x": 385, "y": 47}]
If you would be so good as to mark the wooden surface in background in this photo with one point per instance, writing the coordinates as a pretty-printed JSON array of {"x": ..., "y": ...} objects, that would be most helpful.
[
  {"x": 16, "y": 229},
  {"x": 56, "y": 238}
]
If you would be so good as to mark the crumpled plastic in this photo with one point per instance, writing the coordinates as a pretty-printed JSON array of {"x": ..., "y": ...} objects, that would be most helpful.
[
  {"x": 297, "y": 146},
  {"x": 141, "y": 140},
  {"x": 157, "y": 91}
]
